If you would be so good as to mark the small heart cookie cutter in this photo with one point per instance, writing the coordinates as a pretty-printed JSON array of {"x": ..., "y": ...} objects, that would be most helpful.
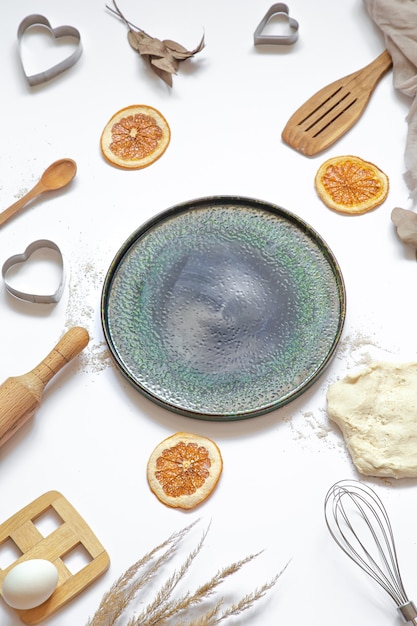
[
  {"x": 58, "y": 32},
  {"x": 276, "y": 9},
  {"x": 24, "y": 256}
]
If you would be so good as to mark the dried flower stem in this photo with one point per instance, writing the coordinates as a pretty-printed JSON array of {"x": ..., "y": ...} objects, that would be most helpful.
[
  {"x": 164, "y": 607},
  {"x": 163, "y": 56},
  {"x": 117, "y": 11},
  {"x": 158, "y": 611},
  {"x": 125, "y": 588}
]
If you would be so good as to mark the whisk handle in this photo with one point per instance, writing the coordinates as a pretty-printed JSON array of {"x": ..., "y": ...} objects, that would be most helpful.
[{"x": 408, "y": 612}]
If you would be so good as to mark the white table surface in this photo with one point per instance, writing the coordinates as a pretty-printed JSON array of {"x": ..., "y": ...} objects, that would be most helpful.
[{"x": 93, "y": 433}]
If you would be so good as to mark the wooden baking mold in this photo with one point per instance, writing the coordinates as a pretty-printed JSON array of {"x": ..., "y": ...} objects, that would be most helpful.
[{"x": 71, "y": 534}]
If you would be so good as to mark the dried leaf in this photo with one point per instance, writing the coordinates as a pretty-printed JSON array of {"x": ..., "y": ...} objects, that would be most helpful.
[
  {"x": 136, "y": 38},
  {"x": 199, "y": 47},
  {"x": 168, "y": 64},
  {"x": 180, "y": 56},
  {"x": 406, "y": 223},
  {"x": 165, "y": 76},
  {"x": 163, "y": 56},
  {"x": 153, "y": 47},
  {"x": 174, "y": 46},
  {"x": 181, "y": 53}
]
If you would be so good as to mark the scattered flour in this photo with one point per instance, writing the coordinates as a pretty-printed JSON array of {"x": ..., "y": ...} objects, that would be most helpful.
[
  {"x": 355, "y": 350},
  {"x": 85, "y": 284}
]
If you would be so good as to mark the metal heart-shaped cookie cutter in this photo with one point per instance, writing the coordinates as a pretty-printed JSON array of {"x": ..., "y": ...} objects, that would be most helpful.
[
  {"x": 60, "y": 31},
  {"x": 276, "y": 9},
  {"x": 24, "y": 256}
]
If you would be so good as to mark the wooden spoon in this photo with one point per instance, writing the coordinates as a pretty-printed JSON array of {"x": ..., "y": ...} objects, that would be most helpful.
[
  {"x": 57, "y": 175},
  {"x": 334, "y": 109}
]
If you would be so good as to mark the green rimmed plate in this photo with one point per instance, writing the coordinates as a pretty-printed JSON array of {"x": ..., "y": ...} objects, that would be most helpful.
[{"x": 223, "y": 308}]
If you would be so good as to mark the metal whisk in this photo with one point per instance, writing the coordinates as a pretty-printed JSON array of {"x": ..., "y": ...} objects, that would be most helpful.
[{"x": 359, "y": 523}]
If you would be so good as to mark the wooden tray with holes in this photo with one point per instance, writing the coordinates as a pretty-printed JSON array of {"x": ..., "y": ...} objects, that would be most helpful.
[{"x": 72, "y": 533}]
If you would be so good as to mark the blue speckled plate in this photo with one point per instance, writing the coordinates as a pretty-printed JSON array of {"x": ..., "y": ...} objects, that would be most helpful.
[{"x": 223, "y": 308}]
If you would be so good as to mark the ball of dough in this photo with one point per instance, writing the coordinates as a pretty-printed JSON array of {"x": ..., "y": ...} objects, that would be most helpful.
[{"x": 376, "y": 410}]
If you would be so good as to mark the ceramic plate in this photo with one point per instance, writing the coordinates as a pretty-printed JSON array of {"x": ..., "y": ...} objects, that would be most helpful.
[{"x": 223, "y": 308}]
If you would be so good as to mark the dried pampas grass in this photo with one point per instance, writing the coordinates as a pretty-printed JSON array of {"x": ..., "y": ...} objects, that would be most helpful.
[{"x": 165, "y": 607}]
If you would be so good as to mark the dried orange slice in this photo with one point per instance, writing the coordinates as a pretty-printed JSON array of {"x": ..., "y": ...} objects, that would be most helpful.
[
  {"x": 184, "y": 469},
  {"x": 349, "y": 184},
  {"x": 135, "y": 137}
]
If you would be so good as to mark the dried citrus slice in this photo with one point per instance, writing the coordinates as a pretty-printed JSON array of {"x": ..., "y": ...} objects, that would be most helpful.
[
  {"x": 349, "y": 184},
  {"x": 184, "y": 469},
  {"x": 135, "y": 137}
]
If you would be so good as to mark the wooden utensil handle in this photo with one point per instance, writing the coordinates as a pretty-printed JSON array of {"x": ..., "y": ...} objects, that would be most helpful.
[
  {"x": 19, "y": 204},
  {"x": 20, "y": 396},
  {"x": 375, "y": 70},
  {"x": 68, "y": 347}
]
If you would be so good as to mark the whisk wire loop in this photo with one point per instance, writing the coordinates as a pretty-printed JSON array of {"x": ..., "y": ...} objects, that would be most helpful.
[{"x": 357, "y": 519}]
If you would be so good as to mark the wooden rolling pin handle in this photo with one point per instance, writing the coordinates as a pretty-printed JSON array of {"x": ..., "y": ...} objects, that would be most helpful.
[
  {"x": 68, "y": 347},
  {"x": 20, "y": 396}
]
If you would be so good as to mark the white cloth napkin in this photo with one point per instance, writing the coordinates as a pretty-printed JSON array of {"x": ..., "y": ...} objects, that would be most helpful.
[{"x": 397, "y": 19}]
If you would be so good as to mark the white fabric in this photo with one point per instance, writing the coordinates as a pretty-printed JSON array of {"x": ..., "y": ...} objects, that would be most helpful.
[{"x": 397, "y": 19}]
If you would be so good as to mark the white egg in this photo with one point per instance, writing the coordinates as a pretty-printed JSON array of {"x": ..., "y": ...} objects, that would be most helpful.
[{"x": 29, "y": 583}]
